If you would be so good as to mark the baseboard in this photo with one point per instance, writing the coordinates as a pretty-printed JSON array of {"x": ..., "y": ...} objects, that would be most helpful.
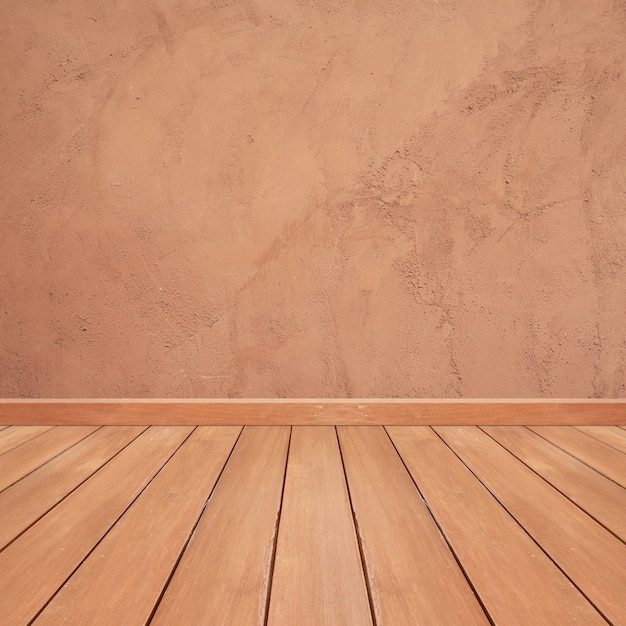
[{"x": 355, "y": 412}]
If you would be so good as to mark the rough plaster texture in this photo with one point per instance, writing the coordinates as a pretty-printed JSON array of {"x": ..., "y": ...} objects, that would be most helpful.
[{"x": 263, "y": 198}]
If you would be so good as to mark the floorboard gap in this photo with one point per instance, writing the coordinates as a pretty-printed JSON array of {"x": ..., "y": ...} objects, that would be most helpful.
[
  {"x": 270, "y": 576},
  {"x": 69, "y": 493},
  {"x": 88, "y": 554},
  {"x": 190, "y": 535},
  {"x": 582, "y": 593},
  {"x": 357, "y": 531},
  {"x": 595, "y": 519}
]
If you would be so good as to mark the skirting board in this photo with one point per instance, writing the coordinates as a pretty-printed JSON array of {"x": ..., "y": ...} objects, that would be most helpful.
[{"x": 353, "y": 412}]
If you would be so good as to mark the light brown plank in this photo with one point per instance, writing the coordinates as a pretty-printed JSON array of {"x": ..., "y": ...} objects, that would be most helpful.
[
  {"x": 590, "y": 556},
  {"x": 603, "y": 458},
  {"x": 596, "y": 494},
  {"x": 223, "y": 575},
  {"x": 29, "y": 456},
  {"x": 318, "y": 577},
  {"x": 36, "y": 564},
  {"x": 26, "y": 501},
  {"x": 354, "y": 411},
  {"x": 610, "y": 435},
  {"x": 412, "y": 573},
  {"x": 121, "y": 581},
  {"x": 517, "y": 583},
  {"x": 17, "y": 435}
]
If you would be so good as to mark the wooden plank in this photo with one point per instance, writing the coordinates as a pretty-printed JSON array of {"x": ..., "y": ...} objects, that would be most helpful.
[
  {"x": 610, "y": 435},
  {"x": 410, "y": 569},
  {"x": 596, "y": 494},
  {"x": 224, "y": 573},
  {"x": 17, "y": 435},
  {"x": 36, "y": 565},
  {"x": 590, "y": 556},
  {"x": 121, "y": 581},
  {"x": 318, "y": 577},
  {"x": 25, "y": 502},
  {"x": 29, "y": 456},
  {"x": 516, "y": 581},
  {"x": 370, "y": 411},
  {"x": 601, "y": 457}
]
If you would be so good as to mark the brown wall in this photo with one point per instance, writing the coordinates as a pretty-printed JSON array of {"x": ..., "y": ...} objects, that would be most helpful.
[{"x": 264, "y": 198}]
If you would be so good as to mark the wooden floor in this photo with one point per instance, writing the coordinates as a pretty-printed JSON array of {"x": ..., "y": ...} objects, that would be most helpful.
[{"x": 349, "y": 525}]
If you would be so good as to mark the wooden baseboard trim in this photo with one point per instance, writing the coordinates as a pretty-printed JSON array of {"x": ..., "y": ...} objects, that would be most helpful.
[{"x": 355, "y": 412}]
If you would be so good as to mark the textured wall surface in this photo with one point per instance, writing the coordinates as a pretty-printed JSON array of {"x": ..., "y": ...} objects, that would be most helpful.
[{"x": 262, "y": 198}]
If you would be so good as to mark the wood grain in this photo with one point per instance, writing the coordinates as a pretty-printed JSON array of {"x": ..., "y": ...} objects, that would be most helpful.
[
  {"x": 36, "y": 564},
  {"x": 26, "y": 501},
  {"x": 610, "y": 435},
  {"x": 590, "y": 556},
  {"x": 126, "y": 499},
  {"x": 604, "y": 458},
  {"x": 17, "y": 435},
  {"x": 412, "y": 573},
  {"x": 121, "y": 581},
  {"x": 223, "y": 576},
  {"x": 491, "y": 546},
  {"x": 318, "y": 578},
  {"x": 595, "y": 493},
  {"x": 367, "y": 411},
  {"x": 29, "y": 456}
]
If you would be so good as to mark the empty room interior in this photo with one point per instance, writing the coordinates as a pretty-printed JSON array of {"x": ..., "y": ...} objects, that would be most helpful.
[{"x": 312, "y": 312}]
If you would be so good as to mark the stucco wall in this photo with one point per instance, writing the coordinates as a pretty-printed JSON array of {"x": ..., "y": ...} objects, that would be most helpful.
[{"x": 282, "y": 198}]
